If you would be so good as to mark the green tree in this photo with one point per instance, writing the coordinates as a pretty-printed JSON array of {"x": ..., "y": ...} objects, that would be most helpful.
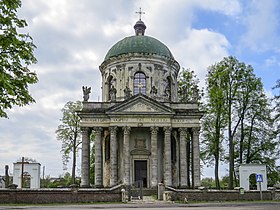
[
  {"x": 237, "y": 106},
  {"x": 16, "y": 54},
  {"x": 214, "y": 122},
  {"x": 188, "y": 86},
  {"x": 276, "y": 100},
  {"x": 69, "y": 133}
]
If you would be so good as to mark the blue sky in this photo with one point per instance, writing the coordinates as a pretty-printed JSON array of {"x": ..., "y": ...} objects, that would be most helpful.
[{"x": 72, "y": 38}]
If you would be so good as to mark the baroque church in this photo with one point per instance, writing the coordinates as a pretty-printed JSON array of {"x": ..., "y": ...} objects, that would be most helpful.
[{"x": 142, "y": 131}]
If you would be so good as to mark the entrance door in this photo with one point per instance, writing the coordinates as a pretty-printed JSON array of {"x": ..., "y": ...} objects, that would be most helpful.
[{"x": 140, "y": 171}]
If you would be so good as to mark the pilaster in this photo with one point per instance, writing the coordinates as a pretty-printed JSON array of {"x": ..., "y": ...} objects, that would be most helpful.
[
  {"x": 85, "y": 157},
  {"x": 154, "y": 157},
  {"x": 167, "y": 157},
  {"x": 98, "y": 158},
  {"x": 113, "y": 156},
  {"x": 126, "y": 155},
  {"x": 183, "y": 158},
  {"x": 196, "y": 157}
]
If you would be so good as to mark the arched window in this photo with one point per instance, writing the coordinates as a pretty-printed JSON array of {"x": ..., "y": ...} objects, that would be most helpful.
[{"x": 139, "y": 83}]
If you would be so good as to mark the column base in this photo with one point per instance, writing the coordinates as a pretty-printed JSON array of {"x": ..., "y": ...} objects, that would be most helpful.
[
  {"x": 99, "y": 186},
  {"x": 85, "y": 186},
  {"x": 183, "y": 187}
]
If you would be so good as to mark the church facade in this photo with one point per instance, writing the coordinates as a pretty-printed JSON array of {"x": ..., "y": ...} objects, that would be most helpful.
[{"x": 142, "y": 131}]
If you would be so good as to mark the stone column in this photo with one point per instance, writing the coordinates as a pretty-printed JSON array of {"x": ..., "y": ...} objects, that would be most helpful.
[
  {"x": 98, "y": 158},
  {"x": 196, "y": 157},
  {"x": 183, "y": 158},
  {"x": 167, "y": 156},
  {"x": 85, "y": 157},
  {"x": 113, "y": 156},
  {"x": 126, "y": 155},
  {"x": 154, "y": 157}
]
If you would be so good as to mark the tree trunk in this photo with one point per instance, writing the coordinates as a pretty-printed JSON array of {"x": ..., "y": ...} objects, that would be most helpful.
[
  {"x": 217, "y": 181},
  {"x": 231, "y": 149},
  {"x": 241, "y": 142},
  {"x": 217, "y": 148},
  {"x": 249, "y": 140},
  {"x": 74, "y": 162}
]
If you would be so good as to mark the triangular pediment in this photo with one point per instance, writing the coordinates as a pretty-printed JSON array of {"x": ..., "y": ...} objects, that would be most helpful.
[{"x": 140, "y": 104}]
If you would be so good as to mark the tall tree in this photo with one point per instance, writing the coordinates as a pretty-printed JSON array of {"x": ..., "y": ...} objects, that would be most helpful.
[
  {"x": 238, "y": 102},
  {"x": 214, "y": 122},
  {"x": 227, "y": 74},
  {"x": 16, "y": 54},
  {"x": 69, "y": 133}
]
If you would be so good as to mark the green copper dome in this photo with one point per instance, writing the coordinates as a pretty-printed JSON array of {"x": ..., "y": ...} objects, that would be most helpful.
[{"x": 139, "y": 44}]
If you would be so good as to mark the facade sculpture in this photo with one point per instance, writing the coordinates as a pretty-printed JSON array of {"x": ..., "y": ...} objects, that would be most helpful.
[
  {"x": 86, "y": 92},
  {"x": 142, "y": 131}
]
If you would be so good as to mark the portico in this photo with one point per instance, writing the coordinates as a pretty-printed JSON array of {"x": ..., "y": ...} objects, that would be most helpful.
[{"x": 147, "y": 141}]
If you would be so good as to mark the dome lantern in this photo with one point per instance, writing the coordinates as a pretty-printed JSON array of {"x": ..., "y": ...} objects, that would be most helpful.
[
  {"x": 140, "y": 25},
  {"x": 139, "y": 28}
]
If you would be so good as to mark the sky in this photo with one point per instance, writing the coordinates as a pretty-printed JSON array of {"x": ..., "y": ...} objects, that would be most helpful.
[{"x": 73, "y": 37}]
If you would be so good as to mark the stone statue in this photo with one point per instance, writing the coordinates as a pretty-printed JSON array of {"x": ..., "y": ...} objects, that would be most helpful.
[
  {"x": 153, "y": 91},
  {"x": 113, "y": 92},
  {"x": 167, "y": 92},
  {"x": 127, "y": 92},
  {"x": 195, "y": 93},
  {"x": 86, "y": 92}
]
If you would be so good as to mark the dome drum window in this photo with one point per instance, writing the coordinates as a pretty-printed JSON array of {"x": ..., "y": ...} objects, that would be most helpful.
[{"x": 139, "y": 83}]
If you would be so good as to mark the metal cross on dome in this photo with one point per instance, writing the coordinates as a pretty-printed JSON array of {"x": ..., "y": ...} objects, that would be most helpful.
[{"x": 140, "y": 13}]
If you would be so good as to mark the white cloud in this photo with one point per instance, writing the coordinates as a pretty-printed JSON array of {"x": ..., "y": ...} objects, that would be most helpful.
[
  {"x": 200, "y": 49},
  {"x": 272, "y": 61},
  {"x": 261, "y": 19},
  {"x": 227, "y": 7}
]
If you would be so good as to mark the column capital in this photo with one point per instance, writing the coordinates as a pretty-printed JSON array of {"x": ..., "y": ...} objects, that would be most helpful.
[
  {"x": 113, "y": 129},
  {"x": 154, "y": 130},
  {"x": 167, "y": 129},
  {"x": 97, "y": 129},
  {"x": 196, "y": 130},
  {"x": 85, "y": 130},
  {"x": 126, "y": 129},
  {"x": 183, "y": 131}
]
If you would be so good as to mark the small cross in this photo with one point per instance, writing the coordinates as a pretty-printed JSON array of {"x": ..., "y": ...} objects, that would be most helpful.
[{"x": 140, "y": 13}]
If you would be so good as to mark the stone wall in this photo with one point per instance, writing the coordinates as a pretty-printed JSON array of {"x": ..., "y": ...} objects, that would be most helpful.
[
  {"x": 43, "y": 196},
  {"x": 220, "y": 195}
]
